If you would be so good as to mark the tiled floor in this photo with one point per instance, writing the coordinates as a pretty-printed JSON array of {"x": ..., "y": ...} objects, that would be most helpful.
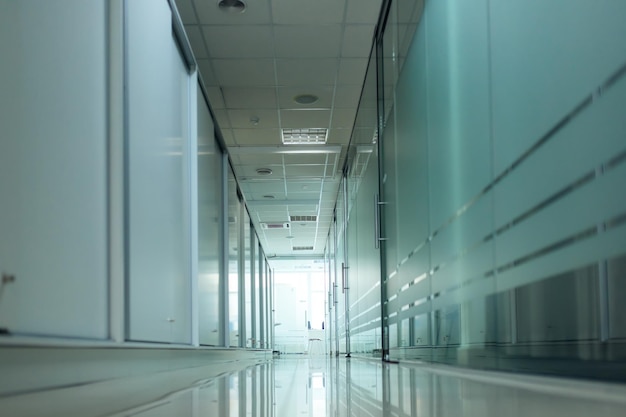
[{"x": 318, "y": 386}]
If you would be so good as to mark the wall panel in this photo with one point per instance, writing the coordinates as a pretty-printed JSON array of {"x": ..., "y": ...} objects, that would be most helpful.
[{"x": 53, "y": 168}]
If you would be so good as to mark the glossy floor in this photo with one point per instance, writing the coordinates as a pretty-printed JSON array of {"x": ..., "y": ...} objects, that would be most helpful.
[{"x": 319, "y": 386}]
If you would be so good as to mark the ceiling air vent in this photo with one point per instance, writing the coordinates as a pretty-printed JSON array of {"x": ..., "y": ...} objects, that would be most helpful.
[
  {"x": 302, "y": 248},
  {"x": 303, "y": 218},
  {"x": 267, "y": 226}
]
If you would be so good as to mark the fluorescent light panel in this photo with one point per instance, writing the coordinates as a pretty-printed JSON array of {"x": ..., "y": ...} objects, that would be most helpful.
[{"x": 310, "y": 136}]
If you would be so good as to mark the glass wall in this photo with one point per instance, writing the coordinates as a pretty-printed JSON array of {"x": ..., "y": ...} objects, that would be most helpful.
[
  {"x": 502, "y": 156},
  {"x": 363, "y": 226},
  {"x": 209, "y": 219},
  {"x": 158, "y": 183}
]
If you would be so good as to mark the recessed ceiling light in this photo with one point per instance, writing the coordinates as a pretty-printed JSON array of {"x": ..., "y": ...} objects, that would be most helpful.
[
  {"x": 311, "y": 136},
  {"x": 306, "y": 98},
  {"x": 264, "y": 171},
  {"x": 232, "y": 6},
  {"x": 269, "y": 196}
]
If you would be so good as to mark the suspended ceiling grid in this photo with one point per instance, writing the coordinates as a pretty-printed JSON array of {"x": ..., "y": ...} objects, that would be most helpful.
[{"x": 253, "y": 65}]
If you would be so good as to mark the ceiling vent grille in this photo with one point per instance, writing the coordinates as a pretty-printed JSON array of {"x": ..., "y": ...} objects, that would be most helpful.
[
  {"x": 312, "y": 136},
  {"x": 302, "y": 248},
  {"x": 267, "y": 226},
  {"x": 303, "y": 218}
]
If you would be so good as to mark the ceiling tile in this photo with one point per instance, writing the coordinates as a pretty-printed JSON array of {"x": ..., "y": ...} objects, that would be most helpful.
[
  {"x": 257, "y": 12},
  {"x": 357, "y": 41},
  {"x": 249, "y": 172},
  {"x": 253, "y": 119},
  {"x": 221, "y": 116},
  {"x": 306, "y": 71},
  {"x": 250, "y": 98},
  {"x": 352, "y": 71},
  {"x": 244, "y": 72},
  {"x": 339, "y": 136},
  {"x": 194, "y": 34},
  {"x": 239, "y": 41},
  {"x": 304, "y": 187},
  {"x": 304, "y": 118},
  {"x": 206, "y": 72},
  {"x": 269, "y": 158},
  {"x": 305, "y": 171},
  {"x": 229, "y": 139},
  {"x": 307, "y": 159},
  {"x": 307, "y": 41},
  {"x": 286, "y": 96},
  {"x": 215, "y": 97},
  {"x": 343, "y": 118},
  {"x": 347, "y": 96},
  {"x": 257, "y": 137},
  {"x": 291, "y": 12},
  {"x": 185, "y": 9},
  {"x": 363, "y": 11}
]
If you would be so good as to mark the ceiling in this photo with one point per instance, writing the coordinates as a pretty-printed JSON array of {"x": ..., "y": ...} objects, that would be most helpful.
[{"x": 253, "y": 64}]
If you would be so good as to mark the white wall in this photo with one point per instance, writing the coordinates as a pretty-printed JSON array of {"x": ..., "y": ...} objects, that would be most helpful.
[{"x": 53, "y": 156}]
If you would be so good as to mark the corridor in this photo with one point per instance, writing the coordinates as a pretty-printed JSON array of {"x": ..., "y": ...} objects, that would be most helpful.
[{"x": 318, "y": 386}]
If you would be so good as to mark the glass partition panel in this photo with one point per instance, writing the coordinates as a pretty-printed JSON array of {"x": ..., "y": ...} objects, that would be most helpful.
[
  {"x": 209, "y": 219},
  {"x": 158, "y": 180},
  {"x": 234, "y": 230}
]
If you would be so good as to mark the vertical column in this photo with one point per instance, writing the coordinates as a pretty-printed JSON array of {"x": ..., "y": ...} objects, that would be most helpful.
[
  {"x": 263, "y": 272},
  {"x": 224, "y": 339},
  {"x": 345, "y": 268},
  {"x": 255, "y": 252},
  {"x": 241, "y": 254},
  {"x": 116, "y": 171},
  {"x": 267, "y": 308}
]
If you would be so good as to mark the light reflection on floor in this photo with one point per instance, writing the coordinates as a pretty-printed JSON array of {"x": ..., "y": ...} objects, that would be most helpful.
[{"x": 317, "y": 386}]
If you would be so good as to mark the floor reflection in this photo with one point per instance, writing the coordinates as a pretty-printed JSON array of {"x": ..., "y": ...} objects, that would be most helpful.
[{"x": 318, "y": 386}]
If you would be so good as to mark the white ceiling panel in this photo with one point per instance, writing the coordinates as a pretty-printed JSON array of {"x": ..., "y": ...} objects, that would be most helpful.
[
  {"x": 239, "y": 41},
  {"x": 347, "y": 96},
  {"x": 250, "y": 98},
  {"x": 229, "y": 138},
  {"x": 298, "y": 187},
  {"x": 215, "y": 97},
  {"x": 304, "y": 118},
  {"x": 343, "y": 118},
  {"x": 221, "y": 116},
  {"x": 256, "y": 137},
  {"x": 206, "y": 72},
  {"x": 287, "y": 95},
  {"x": 194, "y": 34},
  {"x": 249, "y": 172},
  {"x": 253, "y": 119},
  {"x": 352, "y": 71},
  {"x": 307, "y": 159},
  {"x": 339, "y": 136},
  {"x": 290, "y": 12},
  {"x": 269, "y": 158},
  {"x": 306, "y": 171},
  {"x": 306, "y": 72},
  {"x": 244, "y": 72},
  {"x": 307, "y": 41},
  {"x": 363, "y": 11},
  {"x": 357, "y": 41},
  {"x": 257, "y": 12}
]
